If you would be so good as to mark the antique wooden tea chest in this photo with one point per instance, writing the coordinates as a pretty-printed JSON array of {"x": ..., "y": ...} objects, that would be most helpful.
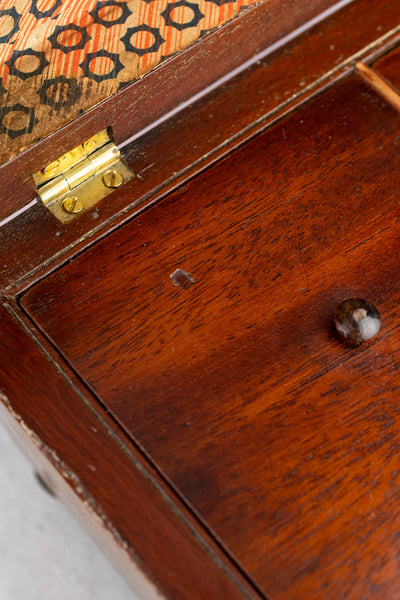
[{"x": 172, "y": 257}]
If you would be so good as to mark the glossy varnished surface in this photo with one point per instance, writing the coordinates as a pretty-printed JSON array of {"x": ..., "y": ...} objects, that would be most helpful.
[
  {"x": 282, "y": 440},
  {"x": 389, "y": 67},
  {"x": 175, "y": 81},
  {"x": 184, "y": 144},
  {"x": 90, "y": 466}
]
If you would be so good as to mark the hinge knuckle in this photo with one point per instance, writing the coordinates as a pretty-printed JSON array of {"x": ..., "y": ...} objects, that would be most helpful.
[{"x": 79, "y": 179}]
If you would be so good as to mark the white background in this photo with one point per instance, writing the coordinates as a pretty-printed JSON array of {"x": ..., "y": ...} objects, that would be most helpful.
[{"x": 44, "y": 554}]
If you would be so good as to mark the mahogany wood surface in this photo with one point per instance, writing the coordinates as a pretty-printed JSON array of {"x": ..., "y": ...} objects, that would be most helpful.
[
  {"x": 164, "y": 88},
  {"x": 175, "y": 81},
  {"x": 90, "y": 465},
  {"x": 388, "y": 67},
  {"x": 251, "y": 445},
  {"x": 378, "y": 83},
  {"x": 172, "y": 153},
  {"x": 282, "y": 440}
]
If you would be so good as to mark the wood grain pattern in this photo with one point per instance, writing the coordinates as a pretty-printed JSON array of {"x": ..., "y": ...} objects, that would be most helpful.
[
  {"x": 176, "y": 81},
  {"x": 388, "y": 67},
  {"x": 282, "y": 440},
  {"x": 379, "y": 84},
  {"x": 173, "y": 152},
  {"x": 104, "y": 479}
]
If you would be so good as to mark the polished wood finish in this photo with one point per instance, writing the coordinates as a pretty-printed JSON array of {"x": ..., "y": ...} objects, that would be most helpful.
[
  {"x": 378, "y": 83},
  {"x": 280, "y": 438},
  {"x": 165, "y": 87},
  {"x": 388, "y": 68},
  {"x": 187, "y": 143},
  {"x": 262, "y": 31},
  {"x": 96, "y": 470},
  {"x": 180, "y": 383}
]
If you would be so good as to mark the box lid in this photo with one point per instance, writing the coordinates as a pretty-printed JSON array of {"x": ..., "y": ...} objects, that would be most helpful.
[{"x": 58, "y": 59}]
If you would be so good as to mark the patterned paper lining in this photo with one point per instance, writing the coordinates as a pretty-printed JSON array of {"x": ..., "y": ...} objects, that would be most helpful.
[{"x": 60, "y": 57}]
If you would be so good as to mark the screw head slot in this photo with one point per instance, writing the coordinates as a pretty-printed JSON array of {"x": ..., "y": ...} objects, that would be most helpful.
[
  {"x": 113, "y": 178},
  {"x": 72, "y": 205}
]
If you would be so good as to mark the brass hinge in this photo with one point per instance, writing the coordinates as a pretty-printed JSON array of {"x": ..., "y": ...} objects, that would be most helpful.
[{"x": 80, "y": 178}]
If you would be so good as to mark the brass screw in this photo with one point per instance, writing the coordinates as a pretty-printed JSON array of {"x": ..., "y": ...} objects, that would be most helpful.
[
  {"x": 113, "y": 179},
  {"x": 88, "y": 145},
  {"x": 72, "y": 205},
  {"x": 51, "y": 168}
]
